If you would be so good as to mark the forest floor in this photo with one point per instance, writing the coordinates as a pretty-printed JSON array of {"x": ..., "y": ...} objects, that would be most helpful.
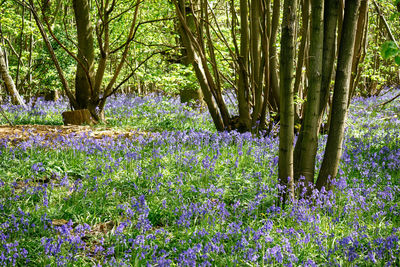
[
  {"x": 158, "y": 185},
  {"x": 19, "y": 133}
]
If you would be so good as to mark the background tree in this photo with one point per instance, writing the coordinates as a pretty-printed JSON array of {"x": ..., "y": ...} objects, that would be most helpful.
[
  {"x": 88, "y": 82},
  {"x": 250, "y": 64},
  {"x": 9, "y": 82},
  {"x": 286, "y": 132}
]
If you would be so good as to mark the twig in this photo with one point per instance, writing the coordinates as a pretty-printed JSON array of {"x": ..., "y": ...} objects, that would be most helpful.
[
  {"x": 388, "y": 101},
  {"x": 5, "y": 116},
  {"x": 386, "y": 24}
]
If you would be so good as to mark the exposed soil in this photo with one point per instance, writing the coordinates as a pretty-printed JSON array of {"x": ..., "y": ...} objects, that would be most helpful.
[{"x": 18, "y": 133}]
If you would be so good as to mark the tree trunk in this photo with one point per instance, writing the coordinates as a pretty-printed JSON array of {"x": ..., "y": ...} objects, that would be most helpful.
[
  {"x": 359, "y": 52},
  {"x": 331, "y": 13},
  {"x": 53, "y": 57},
  {"x": 30, "y": 60},
  {"x": 243, "y": 87},
  {"x": 309, "y": 142},
  {"x": 21, "y": 39},
  {"x": 187, "y": 94},
  {"x": 333, "y": 149},
  {"x": 303, "y": 53},
  {"x": 198, "y": 60},
  {"x": 84, "y": 74},
  {"x": 273, "y": 54},
  {"x": 255, "y": 55},
  {"x": 305, "y": 11},
  {"x": 286, "y": 133},
  {"x": 9, "y": 83}
]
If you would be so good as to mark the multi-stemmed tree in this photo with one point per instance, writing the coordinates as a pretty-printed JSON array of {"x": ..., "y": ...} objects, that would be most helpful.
[
  {"x": 90, "y": 91},
  {"x": 253, "y": 62},
  {"x": 328, "y": 38}
]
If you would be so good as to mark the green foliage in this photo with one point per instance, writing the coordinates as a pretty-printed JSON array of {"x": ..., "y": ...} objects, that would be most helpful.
[{"x": 390, "y": 50}]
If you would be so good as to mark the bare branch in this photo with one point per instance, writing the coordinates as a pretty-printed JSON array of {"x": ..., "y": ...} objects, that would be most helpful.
[
  {"x": 134, "y": 33},
  {"x": 390, "y": 100},
  {"x": 67, "y": 50},
  {"x": 133, "y": 72},
  {"x": 12, "y": 49}
]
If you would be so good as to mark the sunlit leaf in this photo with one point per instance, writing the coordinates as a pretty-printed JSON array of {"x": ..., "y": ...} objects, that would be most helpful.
[
  {"x": 389, "y": 49},
  {"x": 397, "y": 60}
]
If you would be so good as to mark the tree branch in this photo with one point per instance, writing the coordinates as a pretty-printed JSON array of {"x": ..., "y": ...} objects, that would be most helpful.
[{"x": 133, "y": 72}]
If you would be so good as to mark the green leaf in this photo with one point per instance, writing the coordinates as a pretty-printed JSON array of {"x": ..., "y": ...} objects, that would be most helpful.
[
  {"x": 389, "y": 49},
  {"x": 397, "y": 60}
]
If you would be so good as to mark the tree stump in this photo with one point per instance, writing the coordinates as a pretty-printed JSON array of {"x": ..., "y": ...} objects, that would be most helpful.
[{"x": 77, "y": 117}]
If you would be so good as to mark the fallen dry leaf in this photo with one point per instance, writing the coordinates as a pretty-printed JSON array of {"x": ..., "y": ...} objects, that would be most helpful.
[{"x": 59, "y": 222}]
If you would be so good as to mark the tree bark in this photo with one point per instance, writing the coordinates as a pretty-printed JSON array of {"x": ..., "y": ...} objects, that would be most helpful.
[
  {"x": 53, "y": 57},
  {"x": 9, "y": 83},
  {"x": 77, "y": 117},
  {"x": 199, "y": 62},
  {"x": 273, "y": 53},
  {"x": 20, "y": 47},
  {"x": 243, "y": 87},
  {"x": 309, "y": 143},
  {"x": 303, "y": 45},
  {"x": 286, "y": 133},
  {"x": 255, "y": 55},
  {"x": 333, "y": 149},
  {"x": 359, "y": 52},
  {"x": 187, "y": 94},
  {"x": 84, "y": 78},
  {"x": 331, "y": 13}
]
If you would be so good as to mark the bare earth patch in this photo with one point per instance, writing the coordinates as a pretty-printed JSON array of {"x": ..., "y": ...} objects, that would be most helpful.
[{"x": 18, "y": 133}]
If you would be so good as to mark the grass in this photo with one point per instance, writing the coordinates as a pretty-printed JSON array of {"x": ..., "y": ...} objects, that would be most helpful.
[
  {"x": 186, "y": 195},
  {"x": 154, "y": 113}
]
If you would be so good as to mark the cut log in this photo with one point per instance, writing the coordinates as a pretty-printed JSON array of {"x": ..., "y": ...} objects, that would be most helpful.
[{"x": 77, "y": 117}]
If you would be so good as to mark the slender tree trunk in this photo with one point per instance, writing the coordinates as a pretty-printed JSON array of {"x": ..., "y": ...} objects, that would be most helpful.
[
  {"x": 243, "y": 87},
  {"x": 109, "y": 87},
  {"x": 361, "y": 34},
  {"x": 333, "y": 149},
  {"x": 265, "y": 46},
  {"x": 255, "y": 55},
  {"x": 30, "y": 59},
  {"x": 197, "y": 58},
  {"x": 309, "y": 143},
  {"x": 303, "y": 45},
  {"x": 21, "y": 39},
  {"x": 9, "y": 83},
  {"x": 187, "y": 93},
  {"x": 273, "y": 53},
  {"x": 83, "y": 83},
  {"x": 286, "y": 133},
  {"x": 340, "y": 22},
  {"x": 53, "y": 57},
  {"x": 331, "y": 13},
  {"x": 331, "y": 9},
  {"x": 104, "y": 50},
  {"x": 216, "y": 79}
]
